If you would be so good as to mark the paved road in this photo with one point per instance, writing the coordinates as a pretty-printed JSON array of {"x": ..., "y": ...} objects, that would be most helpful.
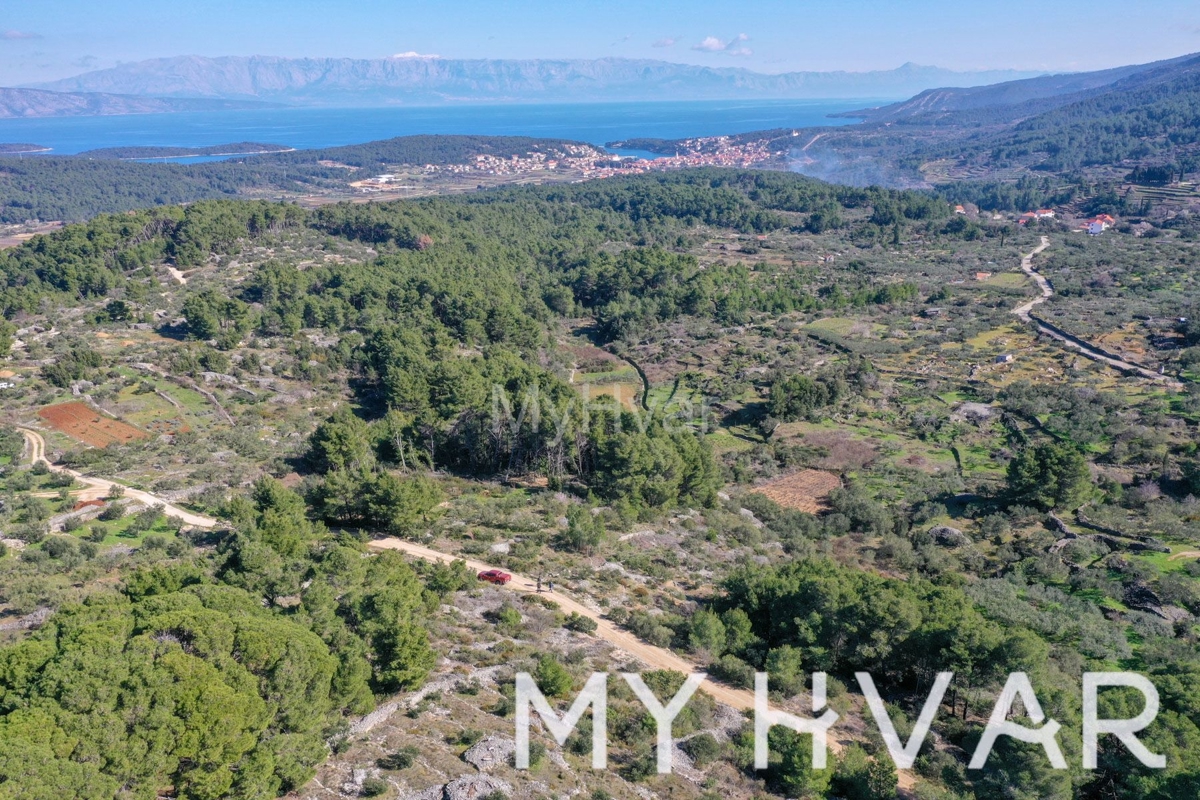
[
  {"x": 648, "y": 654},
  {"x": 1025, "y": 310},
  {"x": 97, "y": 488}
]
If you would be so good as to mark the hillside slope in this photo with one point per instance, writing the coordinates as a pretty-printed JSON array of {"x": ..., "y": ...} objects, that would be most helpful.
[
  {"x": 1051, "y": 90},
  {"x": 1095, "y": 126}
]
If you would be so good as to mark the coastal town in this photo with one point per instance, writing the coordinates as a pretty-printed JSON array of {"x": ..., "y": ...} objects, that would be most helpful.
[{"x": 580, "y": 162}]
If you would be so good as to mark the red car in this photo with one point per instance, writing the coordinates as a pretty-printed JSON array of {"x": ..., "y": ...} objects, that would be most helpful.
[{"x": 495, "y": 576}]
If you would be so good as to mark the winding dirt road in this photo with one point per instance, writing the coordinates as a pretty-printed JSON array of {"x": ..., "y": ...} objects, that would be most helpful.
[
  {"x": 97, "y": 488},
  {"x": 648, "y": 654},
  {"x": 1025, "y": 311},
  {"x": 656, "y": 657}
]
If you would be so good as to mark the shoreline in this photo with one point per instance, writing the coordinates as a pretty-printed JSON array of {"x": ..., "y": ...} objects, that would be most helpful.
[{"x": 207, "y": 155}]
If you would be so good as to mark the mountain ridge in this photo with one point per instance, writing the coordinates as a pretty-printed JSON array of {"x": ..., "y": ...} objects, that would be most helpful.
[
  {"x": 20, "y": 103},
  {"x": 345, "y": 81},
  {"x": 1051, "y": 90}
]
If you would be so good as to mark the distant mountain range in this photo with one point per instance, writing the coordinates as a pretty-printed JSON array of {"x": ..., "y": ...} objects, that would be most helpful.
[
  {"x": 386, "y": 81},
  {"x": 1020, "y": 98},
  {"x": 41, "y": 103}
]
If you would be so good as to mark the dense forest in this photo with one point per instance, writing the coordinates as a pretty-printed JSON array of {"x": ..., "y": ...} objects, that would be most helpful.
[{"x": 186, "y": 677}]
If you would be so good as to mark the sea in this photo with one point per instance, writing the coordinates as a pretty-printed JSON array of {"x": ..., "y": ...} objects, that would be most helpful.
[{"x": 303, "y": 128}]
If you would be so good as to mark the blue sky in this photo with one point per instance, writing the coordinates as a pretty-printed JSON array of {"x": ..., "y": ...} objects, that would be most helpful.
[{"x": 46, "y": 39}]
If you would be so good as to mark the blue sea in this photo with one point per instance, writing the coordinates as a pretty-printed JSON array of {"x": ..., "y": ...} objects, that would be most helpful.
[{"x": 301, "y": 128}]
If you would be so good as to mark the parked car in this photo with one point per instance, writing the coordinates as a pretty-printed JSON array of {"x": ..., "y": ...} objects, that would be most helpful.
[{"x": 495, "y": 576}]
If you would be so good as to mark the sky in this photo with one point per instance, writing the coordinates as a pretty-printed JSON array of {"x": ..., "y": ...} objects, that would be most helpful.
[{"x": 48, "y": 39}]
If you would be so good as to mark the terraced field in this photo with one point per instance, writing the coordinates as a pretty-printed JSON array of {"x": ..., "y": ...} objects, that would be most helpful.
[{"x": 80, "y": 421}]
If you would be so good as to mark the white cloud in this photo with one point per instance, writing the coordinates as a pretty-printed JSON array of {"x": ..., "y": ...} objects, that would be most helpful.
[
  {"x": 415, "y": 54},
  {"x": 13, "y": 35},
  {"x": 666, "y": 41},
  {"x": 733, "y": 47}
]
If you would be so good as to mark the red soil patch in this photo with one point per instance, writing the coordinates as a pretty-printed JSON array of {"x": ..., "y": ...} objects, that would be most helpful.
[
  {"x": 81, "y": 421},
  {"x": 807, "y": 490}
]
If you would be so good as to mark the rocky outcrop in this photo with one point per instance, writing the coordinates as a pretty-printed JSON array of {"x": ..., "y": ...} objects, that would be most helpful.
[
  {"x": 947, "y": 536},
  {"x": 1141, "y": 597},
  {"x": 491, "y": 752},
  {"x": 468, "y": 787}
]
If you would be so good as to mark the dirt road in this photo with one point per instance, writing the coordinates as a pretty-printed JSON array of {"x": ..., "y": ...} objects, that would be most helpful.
[
  {"x": 648, "y": 654},
  {"x": 97, "y": 488},
  {"x": 14, "y": 239},
  {"x": 811, "y": 142},
  {"x": 1025, "y": 311},
  {"x": 656, "y": 657}
]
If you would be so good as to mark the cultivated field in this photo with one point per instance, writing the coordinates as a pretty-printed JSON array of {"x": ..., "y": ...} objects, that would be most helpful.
[
  {"x": 80, "y": 421},
  {"x": 807, "y": 490}
]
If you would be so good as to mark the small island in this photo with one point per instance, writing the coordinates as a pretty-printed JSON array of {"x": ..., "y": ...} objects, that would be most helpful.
[
  {"x": 152, "y": 152},
  {"x": 20, "y": 148}
]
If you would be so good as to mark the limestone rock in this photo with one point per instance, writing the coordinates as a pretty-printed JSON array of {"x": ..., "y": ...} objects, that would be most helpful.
[
  {"x": 948, "y": 537},
  {"x": 474, "y": 787},
  {"x": 489, "y": 753},
  {"x": 432, "y": 793},
  {"x": 1141, "y": 597}
]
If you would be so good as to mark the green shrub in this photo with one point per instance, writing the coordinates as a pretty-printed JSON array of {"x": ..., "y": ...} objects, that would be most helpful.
[
  {"x": 403, "y": 758},
  {"x": 579, "y": 623},
  {"x": 552, "y": 677},
  {"x": 374, "y": 786},
  {"x": 111, "y": 512},
  {"x": 702, "y": 748}
]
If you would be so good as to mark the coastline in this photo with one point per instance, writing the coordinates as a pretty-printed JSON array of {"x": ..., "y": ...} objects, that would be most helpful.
[{"x": 208, "y": 155}]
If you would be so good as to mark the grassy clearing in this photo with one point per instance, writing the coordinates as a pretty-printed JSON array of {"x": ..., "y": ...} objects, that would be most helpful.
[
  {"x": 847, "y": 327},
  {"x": 117, "y": 531}
]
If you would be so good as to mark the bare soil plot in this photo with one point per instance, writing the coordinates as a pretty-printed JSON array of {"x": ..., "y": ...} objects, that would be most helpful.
[
  {"x": 845, "y": 453},
  {"x": 807, "y": 490},
  {"x": 80, "y": 421},
  {"x": 14, "y": 239},
  {"x": 589, "y": 358}
]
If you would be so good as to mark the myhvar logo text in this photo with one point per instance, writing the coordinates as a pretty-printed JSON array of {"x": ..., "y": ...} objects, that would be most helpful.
[{"x": 595, "y": 696}]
